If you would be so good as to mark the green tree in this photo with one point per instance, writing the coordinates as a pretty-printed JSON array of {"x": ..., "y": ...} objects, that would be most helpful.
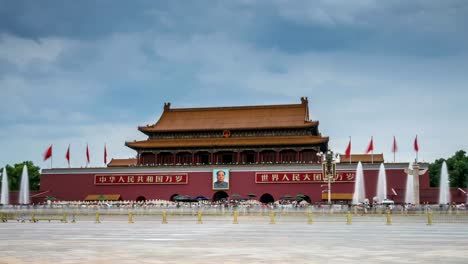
[
  {"x": 457, "y": 166},
  {"x": 14, "y": 175}
]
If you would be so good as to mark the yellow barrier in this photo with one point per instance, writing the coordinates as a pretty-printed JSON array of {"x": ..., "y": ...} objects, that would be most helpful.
[
  {"x": 164, "y": 217},
  {"x": 97, "y": 218},
  {"x": 309, "y": 218},
  {"x": 130, "y": 218},
  {"x": 429, "y": 218},
  {"x": 348, "y": 218},
  {"x": 235, "y": 218},
  {"x": 389, "y": 218},
  {"x": 35, "y": 218},
  {"x": 272, "y": 217},
  {"x": 199, "y": 218}
]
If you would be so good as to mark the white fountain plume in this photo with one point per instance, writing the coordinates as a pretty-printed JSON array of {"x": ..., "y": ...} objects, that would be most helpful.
[
  {"x": 444, "y": 188},
  {"x": 5, "y": 199},
  {"x": 359, "y": 191},
  {"x": 409, "y": 192},
  {"x": 382, "y": 184},
  {"x": 24, "y": 187}
]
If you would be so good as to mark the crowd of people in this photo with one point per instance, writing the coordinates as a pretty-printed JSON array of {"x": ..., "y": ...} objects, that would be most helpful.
[{"x": 250, "y": 205}]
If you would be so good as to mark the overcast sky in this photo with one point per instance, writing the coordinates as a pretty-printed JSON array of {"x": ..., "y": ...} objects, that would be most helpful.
[{"x": 78, "y": 72}]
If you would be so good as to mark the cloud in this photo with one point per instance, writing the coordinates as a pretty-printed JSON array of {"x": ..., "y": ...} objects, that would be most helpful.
[
  {"x": 24, "y": 52},
  {"x": 351, "y": 94},
  {"x": 368, "y": 68}
]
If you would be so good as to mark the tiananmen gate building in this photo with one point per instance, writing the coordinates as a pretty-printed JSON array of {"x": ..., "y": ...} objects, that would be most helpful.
[{"x": 270, "y": 151}]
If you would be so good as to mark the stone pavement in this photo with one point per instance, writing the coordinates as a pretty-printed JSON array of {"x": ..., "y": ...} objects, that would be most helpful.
[{"x": 223, "y": 242}]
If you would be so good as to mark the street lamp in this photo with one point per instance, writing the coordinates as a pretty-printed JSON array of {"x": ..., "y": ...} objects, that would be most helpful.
[{"x": 329, "y": 171}]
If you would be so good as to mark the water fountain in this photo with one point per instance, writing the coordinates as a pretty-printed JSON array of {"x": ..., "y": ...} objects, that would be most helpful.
[
  {"x": 359, "y": 191},
  {"x": 409, "y": 193},
  {"x": 382, "y": 184},
  {"x": 5, "y": 199},
  {"x": 444, "y": 188},
  {"x": 24, "y": 187}
]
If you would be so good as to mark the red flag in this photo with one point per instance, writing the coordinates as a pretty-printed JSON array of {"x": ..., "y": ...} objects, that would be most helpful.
[
  {"x": 348, "y": 150},
  {"x": 416, "y": 146},
  {"x": 395, "y": 146},
  {"x": 371, "y": 146},
  {"x": 48, "y": 153},
  {"x": 87, "y": 153},
  {"x": 67, "y": 155},
  {"x": 105, "y": 154}
]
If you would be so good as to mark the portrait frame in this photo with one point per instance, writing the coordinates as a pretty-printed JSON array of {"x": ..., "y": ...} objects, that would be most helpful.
[{"x": 214, "y": 179}]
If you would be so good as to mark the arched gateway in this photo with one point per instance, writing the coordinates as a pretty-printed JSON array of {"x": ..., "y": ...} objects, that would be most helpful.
[
  {"x": 219, "y": 195},
  {"x": 267, "y": 198},
  {"x": 172, "y": 199},
  {"x": 140, "y": 199}
]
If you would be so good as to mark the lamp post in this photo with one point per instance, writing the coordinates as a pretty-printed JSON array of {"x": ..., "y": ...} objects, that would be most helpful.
[{"x": 329, "y": 171}]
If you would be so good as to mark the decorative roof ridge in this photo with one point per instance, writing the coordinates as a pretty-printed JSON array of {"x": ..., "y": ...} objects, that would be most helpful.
[
  {"x": 246, "y": 107},
  {"x": 310, "y": 123}
]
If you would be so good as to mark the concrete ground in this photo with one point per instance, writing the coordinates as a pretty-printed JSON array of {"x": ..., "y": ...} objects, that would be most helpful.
[{"x": 217, "y": 240}]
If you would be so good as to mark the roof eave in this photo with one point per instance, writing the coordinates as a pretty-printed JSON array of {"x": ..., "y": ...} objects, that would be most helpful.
[{"x": 150, "y": 129}]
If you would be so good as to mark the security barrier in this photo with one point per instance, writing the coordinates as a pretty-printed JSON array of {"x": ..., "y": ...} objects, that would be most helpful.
[
  {"x": 208, "y": 215},
  {"x": 199, "y": 219},
  {"x": 164, "y": 217},
  {"x": 389, "y": 218},
  {"x": 130, "y": 218},
  {"x": 234, "y": 221},
  {"x": 61, "y": 218},
  {"x": 272, "y": 217},
  {"x": 429, "y": 218},
  {"x": 98, "y": 220}
]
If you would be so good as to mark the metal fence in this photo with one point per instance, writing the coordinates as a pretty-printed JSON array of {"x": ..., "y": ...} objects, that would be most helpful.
[{"x": 242, "y": 214}]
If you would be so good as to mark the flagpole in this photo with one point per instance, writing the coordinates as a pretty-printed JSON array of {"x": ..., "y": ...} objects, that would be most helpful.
[
  {"x": 416, "y": 147},
  {"x": 350, "y": 150},
  {"x": 68, "y": 151},
  {"x": 105, "y": 154},
  {"x": 372, "y": 154}
]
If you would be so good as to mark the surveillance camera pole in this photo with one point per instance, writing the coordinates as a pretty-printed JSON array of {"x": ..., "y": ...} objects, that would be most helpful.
[{"x": 329, "y": 171}]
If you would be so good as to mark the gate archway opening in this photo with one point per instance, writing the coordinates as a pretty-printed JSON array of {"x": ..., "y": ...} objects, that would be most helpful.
[
  {"x": 220, "y": 195},
  {"x": 140, "y": 199},
  {"x": 172, "y": 199},
  {"x": 267, "y": 198},
  {"x": 303, "y": 198}
]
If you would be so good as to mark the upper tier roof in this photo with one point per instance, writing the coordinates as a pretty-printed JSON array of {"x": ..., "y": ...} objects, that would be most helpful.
[{"x": 236, "y": 117}]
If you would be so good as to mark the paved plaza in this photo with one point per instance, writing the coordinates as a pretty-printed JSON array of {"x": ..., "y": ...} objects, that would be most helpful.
[{"x": 217, "y": 240}]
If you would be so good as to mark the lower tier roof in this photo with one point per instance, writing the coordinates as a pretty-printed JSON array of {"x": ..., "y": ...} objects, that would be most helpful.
[{"x": 227, "y": 142}]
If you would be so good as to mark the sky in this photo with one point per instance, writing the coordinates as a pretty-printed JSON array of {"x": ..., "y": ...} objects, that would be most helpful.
[{"x": 90, "y": 72}]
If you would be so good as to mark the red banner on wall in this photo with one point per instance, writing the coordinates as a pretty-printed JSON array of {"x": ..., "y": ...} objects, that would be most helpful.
[
  {"x": 180, "y": 178},
  {"x": 302, "y": 177}
]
